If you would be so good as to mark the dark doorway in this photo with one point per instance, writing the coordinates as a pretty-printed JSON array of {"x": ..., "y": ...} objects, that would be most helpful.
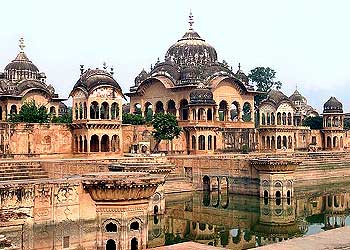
[
  {"x": 111, "y": 245},
  {"x": 134, "y": 244}
]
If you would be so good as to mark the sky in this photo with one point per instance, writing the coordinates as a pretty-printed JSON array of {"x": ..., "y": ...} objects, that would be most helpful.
[{"x": 306, "y": 42}]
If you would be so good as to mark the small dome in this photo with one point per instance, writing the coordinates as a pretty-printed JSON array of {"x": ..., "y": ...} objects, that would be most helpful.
[
  {"x": 201, "y": 96},
  {"x": 333, "y": 106},
  {"x": 95, "y": 77},
  {"x": 241, "y": 75},
  {"x": 21, "y": 62},
  {"x": 141, "y": 77},
  {"x": 296, "y": 96},
  {"x": 276, "y": 96},
  {"x": 191, "y": 50}
]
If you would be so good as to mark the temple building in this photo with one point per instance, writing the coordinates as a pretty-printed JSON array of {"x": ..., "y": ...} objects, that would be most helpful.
[
  {"x": 22, "y": 81},
  {"x": 97, "y": 112},
  {"x": 302, "y": 109},
  {"x": 213, "y": 104}
]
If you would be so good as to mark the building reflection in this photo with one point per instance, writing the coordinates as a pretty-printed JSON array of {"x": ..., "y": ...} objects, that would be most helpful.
[{"x": 65, "y": 216}]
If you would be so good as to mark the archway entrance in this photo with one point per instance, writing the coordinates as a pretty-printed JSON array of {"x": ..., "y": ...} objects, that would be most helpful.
[
  {"x": 94, "y": 144},
  {"x": 111, "y": 245},
  {"x": 105, "y": 143},
  {"x": 206, "y": 183},
  {"x": 134, "y": 244}
]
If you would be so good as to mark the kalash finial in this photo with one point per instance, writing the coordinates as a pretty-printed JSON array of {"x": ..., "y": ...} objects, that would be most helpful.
[
  {"x": 21, "y": 44},
  {"x": 104, "y": 65},
  {"x": 190, "y": 20},
  {"x": 239, "y": 66}
]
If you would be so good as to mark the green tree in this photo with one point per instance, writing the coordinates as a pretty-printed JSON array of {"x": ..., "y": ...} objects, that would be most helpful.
[
  {"x": 315, "y": 122},
  {"x": 66, "y": 118},
  {"x": 165, "y": 128},
  {"x": 133, "y": 119},
  {"x": 31, "y": 113},
  {"x": 346, "y": 123},
  {"x": 264, "y": 80}
]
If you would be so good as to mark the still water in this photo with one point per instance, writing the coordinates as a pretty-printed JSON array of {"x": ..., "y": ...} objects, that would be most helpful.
[{"x": 242, "y": 222}]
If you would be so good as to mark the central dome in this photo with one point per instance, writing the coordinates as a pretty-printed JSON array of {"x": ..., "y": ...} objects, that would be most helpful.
[{"x": 191, "y": 50}]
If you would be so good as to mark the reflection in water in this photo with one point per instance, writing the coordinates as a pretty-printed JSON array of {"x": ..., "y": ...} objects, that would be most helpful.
[{"x": 212, "y": 218}]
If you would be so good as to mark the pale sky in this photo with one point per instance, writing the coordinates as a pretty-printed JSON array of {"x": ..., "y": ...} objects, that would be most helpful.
[{"x": 306, "y": 42}]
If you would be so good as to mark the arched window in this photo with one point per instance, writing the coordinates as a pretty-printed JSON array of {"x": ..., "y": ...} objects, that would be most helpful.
[
  {"x": 110, "y": 245},
  {"x": 134, "y": 226},
  {"x": 329, "y": 122},
  {"x": 104, "y": 110},
  {"x": 114, "y": 110},
  {"x": 184, "y": 110},
  {"x": 206, "y": 183},
  {"x": 279, "y": 142},
  {"x": 278, "y": 118},
  {"x": 223, "y": 111},
  {"x": 329, "y": 142},
  {"x": 134, "y": 244},
  {"x": 115, "y": 143},
  {"x": 247, "y": 112},
  {"x": 263, "y": 142},
  {"x": 201, "y": 141},
  {"x": 94, "y": 144},
  {"x": 94, "y": 110},
  {"x": 263, "y": 119},
  {"x": 111, "y": 227},
  {"x": 171, "y": 109},
  {"x": 85, "y": 110},
  {"x": 105, "y": 143},
  {"x": 209, "y": 114},
  {"x": 290, "y": 142},
  {"x": 289, "y": 118},
  {"x": 201, "y": 114},
  {"x": 159, "y": 107},
  {"x": 138, "y": 109},
  {"x": 209, "y": 142},
  {"x": 234, "y": 111},
  {"x": 81, "y": 110},
  {"x": 193, "y": 142},
  {"x": 273, "y": 142},
  {"x": 148, "y": 111},
  {"x": 81, "y": 144},
  {"x": 268, "y": 119},
  {"x": 284, "y": 118},
  {"x": 214, "y": 142},
  {"x": 266, "y": 194},
  {"x": 53, "y": 110},
  {"x": 284, "y": 141},
  {"x": 194, "y": 115},
  {"x": 273, "y": 118},
  {"x": 76, "y": 111},
  {"x": 85, "y": 144},
  {"x": 335, "y": 142},
  {"x": 76, "y": 144}
]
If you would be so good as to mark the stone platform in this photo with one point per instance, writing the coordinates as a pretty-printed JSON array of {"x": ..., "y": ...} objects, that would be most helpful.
[
  {"x": 333, "y": 239},
  {"x": 188, "y": 246}
]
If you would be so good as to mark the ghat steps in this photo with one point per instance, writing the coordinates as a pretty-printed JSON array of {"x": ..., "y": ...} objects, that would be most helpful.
[{"x": 11, "y": 171}]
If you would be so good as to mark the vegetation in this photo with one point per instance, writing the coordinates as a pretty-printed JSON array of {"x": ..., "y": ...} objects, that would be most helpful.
[
  {"x": 264, "y": 80},
  {"x": 346, "y": 123},
  {"x": 66, "y": 118},
  {"x": 165, "y": 128},
  {"x": 133, "y": 119},
  {"x": 315, "y": 122},
  {"x": 31, "y": 113}
]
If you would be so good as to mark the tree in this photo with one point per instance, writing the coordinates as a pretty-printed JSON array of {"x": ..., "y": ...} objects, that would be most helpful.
[
  {"x": 165, "y": 128},
  {"x": 31, "y": 113},
  {"x": 133, "y": 119},
  {"x": 66, "y": 118},
  {"x": 264, "y": 80},
  {"x": 314, "y": 122}
]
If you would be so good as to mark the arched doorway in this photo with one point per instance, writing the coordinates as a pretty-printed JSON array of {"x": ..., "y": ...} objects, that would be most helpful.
[
  {"x": 159, "y": 107},
  {"x": 206, "y": 183},
  {"x": 184, "y": 109},
  {"x": 94, "y": 110},
  {"x": 105, "y": 143},
  {"x": 171, "y": 109},
  {"x": 223, "y": 110},
  {"x": 134, "y": 244},
  {"x": 111, "y": 245},
  {"x": 94, "y": 144}
]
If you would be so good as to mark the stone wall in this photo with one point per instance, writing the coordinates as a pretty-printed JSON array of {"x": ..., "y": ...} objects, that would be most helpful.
[{"x": 36, "y": 140}]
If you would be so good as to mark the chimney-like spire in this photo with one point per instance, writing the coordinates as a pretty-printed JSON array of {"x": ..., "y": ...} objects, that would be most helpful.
[
  {"x": 112, "y": 71},
  {"x": 190, "y": 20},
  {"x": 21, "y": 44},
  {"x": 81, "y": 69}
]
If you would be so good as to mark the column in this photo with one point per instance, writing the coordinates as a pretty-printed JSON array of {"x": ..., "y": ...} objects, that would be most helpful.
[{"x": 177, "y": 114}]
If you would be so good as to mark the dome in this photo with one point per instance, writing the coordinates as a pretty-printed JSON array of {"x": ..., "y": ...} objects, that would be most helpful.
[
  {"x": 191, "y": 50},
  {"x": 141, "y": 77},
  {"x": 276, "y": 96},
  {"x": 95, "y": 77},
  {"x": 333, "y": 106},
  {"x": 241, "y": 75},
  {"x": 201, "y": 96},
  {"x": 296, "y": 96},
  {"x": 21, "y": 62}
]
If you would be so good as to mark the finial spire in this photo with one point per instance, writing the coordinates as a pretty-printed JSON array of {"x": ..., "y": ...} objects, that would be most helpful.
[
  {"x": 296, "y": 86},
  {"x": 239, "y": 66},
  {"x": 190, "y": 20},
  {"x": 104, "y": 65},
  {"x": 21, "y": 44}
]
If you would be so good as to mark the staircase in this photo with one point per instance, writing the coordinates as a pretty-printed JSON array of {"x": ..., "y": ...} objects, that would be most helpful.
[
  {"x": 13, "y": 171},
  {"x": 176, "y": 183},
  {"x": 322, "y": 165}
]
